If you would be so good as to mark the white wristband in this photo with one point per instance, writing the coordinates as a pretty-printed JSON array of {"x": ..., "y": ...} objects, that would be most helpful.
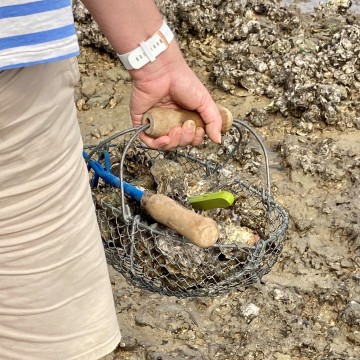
[{"x": 148, "y": 50}]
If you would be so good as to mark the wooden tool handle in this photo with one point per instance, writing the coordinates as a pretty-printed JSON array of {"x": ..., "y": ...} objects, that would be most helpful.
[
  {"x": 201, "y": 231},
  {"x": 162, "y": 120}
]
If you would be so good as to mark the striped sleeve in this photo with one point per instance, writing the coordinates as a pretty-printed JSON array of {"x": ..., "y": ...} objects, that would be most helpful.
[{"x": 36, "y": 31}]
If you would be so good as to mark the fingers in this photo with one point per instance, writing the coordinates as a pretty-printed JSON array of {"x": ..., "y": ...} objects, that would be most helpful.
[
  {"x": 212, "y": 118},
  {"x": 197, "y": 98},
  {"x": 178, "y": 136},
  {"x": 188, "y": 134},
  {"x": 199, "y": 136},
  {"x": 159, "y": 143}
]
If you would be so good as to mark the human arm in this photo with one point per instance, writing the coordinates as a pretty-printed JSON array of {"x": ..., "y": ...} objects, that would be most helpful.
[{"x": 166, "y": 82}]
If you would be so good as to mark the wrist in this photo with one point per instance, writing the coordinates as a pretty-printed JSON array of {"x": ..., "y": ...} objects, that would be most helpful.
[
  {"x": 165, "y": 63},
  {"x": 148, "y": 50}
]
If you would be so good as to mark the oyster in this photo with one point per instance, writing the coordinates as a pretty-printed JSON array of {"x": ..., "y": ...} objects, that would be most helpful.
[{"x": 167, "y": 177}]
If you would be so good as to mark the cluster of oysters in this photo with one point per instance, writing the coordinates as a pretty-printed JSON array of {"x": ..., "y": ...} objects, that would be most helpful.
[{"x": 307, "y": 64}]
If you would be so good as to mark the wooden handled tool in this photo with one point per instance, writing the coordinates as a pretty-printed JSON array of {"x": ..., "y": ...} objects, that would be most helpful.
[
  {"x": 199, "y": 230},
  {"x": 162, "y": 120}
]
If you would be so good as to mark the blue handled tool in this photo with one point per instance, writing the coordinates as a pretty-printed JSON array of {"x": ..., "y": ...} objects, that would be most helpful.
[
  {"x": 110, "y": 178},
  {"x": 200, "y": 230}
]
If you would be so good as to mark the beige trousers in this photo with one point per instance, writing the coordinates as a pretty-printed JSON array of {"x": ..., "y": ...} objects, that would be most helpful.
[{"x": 56, "y": 301}]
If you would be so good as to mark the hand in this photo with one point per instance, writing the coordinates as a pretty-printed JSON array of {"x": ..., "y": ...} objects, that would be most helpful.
[{"x": 169, "y": 82}]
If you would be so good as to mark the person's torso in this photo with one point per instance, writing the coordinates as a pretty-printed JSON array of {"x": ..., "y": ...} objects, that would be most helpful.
[{"x": 36, "y": 31}]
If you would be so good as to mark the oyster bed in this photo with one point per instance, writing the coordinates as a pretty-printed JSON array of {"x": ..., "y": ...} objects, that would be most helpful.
[{"x": 311, "y": 73}]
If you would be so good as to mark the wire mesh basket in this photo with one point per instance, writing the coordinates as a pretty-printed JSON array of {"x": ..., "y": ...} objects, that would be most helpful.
[{"x": 156, "y": 258}]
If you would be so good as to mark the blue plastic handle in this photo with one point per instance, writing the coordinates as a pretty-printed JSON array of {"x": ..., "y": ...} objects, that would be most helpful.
[{"x": 111, "y": 179}]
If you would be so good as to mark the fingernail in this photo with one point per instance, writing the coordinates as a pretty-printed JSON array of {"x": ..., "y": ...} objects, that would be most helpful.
[
  {"x": 189, "y": 124},
  {"x": 219, "y": 139}
]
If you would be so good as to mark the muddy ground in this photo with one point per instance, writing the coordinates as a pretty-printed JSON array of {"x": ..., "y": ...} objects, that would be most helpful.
[{"x": 308, "y": 306}]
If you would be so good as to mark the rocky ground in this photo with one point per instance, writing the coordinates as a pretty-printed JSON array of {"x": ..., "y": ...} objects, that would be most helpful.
[{"x": 296, "y": 78}]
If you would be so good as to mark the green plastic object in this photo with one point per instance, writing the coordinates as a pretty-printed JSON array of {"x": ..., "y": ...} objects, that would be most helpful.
[{"x": 221, "y": 199}]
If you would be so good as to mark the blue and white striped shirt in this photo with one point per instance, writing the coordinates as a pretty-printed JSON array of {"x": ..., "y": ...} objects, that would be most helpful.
[{"x": 36, "y": 31}]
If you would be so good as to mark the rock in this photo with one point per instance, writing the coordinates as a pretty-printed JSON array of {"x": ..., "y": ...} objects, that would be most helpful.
[
  {"x": 101, "y": 101},
  {"x": 356, "y": 277},
  {"x": 346, "y": 263},
  {"x": 88, "y": 87},
  {"x": 80, "y": 104},
  {"x": 183, "y": 353},
  {"x": 105, "y": 88},
  {"x": 105, "y": 130},
  {"x": 258, "y": 117},
  {"x": 280, "y": 295},
  {"x": 334, "y": 331},
  {"x": 354, "y": 338},
  {"x": 249, "y": 311},
  {"x": 357, "y": 122},
  {"x": 279, "y": 356},
  {"x": 172, "y": 318},
  {"x": 128, "y": 342},
  {"x": 351, "y": 314},
  {"x": 112, "y": 103},
  {"x": 118, "y": 73},
  {"x": 95, "y": 133}
]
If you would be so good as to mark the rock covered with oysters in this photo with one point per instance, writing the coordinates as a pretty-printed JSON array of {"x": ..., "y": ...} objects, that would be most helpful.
[
  {"x": 155, "y": 253},
  {"x": 311, "y": 73}
]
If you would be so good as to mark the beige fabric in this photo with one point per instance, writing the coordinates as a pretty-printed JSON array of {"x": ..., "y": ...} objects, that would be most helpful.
[{"x": 55, "y": 295}]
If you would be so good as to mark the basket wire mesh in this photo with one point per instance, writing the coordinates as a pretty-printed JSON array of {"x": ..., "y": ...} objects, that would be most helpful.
[{"x": 156, "y": 258}]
